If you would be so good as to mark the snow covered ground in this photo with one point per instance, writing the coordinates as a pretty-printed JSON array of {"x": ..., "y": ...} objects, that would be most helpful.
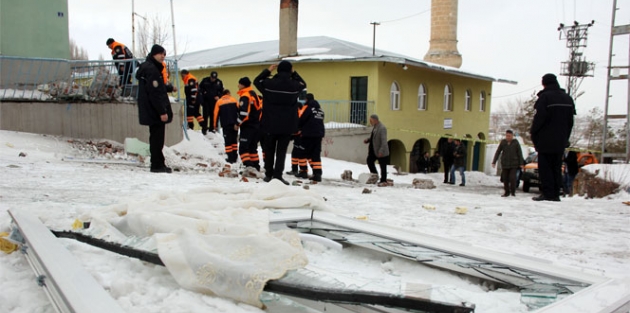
[{"x": 58, "y": 181}]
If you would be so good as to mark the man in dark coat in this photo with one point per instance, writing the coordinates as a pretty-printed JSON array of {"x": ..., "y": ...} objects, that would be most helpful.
[
  {"x": 435, "y": 162},
  {"x": 279, "y": 114},
  {"x": 424, "y": 163},
  {"x": 511, "y": 160},
  {"x": 550, "y": 131},
  {"x": 378, "y": 150},
  {"x": 570, "y": 170},
  {"x": 459, "y": 162},
  {"x": 447, "y": 147},
  {"x": 210, "y": 90},
  {"x": 154, "y": 107}
]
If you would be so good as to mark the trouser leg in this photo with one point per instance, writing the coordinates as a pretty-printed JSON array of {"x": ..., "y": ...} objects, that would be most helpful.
[
  {"x": 281, "y": 154},
  {"x": 156, "y": 144},
  {"x": 370, "y": 163},
  {"x": 383, "y": 162}
]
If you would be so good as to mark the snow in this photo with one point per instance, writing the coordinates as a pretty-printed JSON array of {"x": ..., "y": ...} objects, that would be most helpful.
[{"x": 590, "y": 235}]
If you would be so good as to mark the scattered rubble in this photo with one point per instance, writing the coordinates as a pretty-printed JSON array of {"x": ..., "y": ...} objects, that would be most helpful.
[
  {"x": 592, "y": 186},
  {"x": 420, "y": 183}
]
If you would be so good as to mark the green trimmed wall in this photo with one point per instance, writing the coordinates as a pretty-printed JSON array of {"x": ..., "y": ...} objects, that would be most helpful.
[{"x": 34, "y": 28}]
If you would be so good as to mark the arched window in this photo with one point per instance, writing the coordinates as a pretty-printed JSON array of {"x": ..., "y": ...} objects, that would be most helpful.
[
  {"x": 394, "y": 96},
  {"x": 482, "y": 101},
  {"x": 422, "y": 97},
  {"x": 448, "y": 98},
  {"x": 468, "y": 103}
]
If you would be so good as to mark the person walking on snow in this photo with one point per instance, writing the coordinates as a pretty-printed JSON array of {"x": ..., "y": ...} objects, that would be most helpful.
[
  {"x": 511, "y": 160},
  {"x": 378, "y": 149}
]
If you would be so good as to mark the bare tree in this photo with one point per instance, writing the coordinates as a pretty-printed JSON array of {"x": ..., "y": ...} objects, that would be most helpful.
[
  {"x": 153, "y": 30},
  {"x": 76, "y": 52}
]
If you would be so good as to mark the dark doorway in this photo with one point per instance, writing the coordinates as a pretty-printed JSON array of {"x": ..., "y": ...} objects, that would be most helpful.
[{"x": 358, "y": 100}]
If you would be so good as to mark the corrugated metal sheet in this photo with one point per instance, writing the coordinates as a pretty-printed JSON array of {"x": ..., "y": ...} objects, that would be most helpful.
[{"x": 310, "y": 49}]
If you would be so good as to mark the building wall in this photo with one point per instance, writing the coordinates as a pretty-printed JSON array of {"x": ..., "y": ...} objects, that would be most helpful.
[
  {"x": 111, "y": 120},
  {"x": 331, "y": 81},
  {"x": 410, "y": 124},
  {"x": 34, "y": 28}
]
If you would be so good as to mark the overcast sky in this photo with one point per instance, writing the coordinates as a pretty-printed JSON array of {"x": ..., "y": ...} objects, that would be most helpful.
[{"x": 515, "y": 39}]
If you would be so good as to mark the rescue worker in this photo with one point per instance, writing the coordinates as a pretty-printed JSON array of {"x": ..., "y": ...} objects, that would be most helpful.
[
  {"x": 154, "y": 107},
  {"x": 192, "y": 106},
  {"x": 226, "y": 112},
  {"x": 279, "y": 118},
  {"x": 297, "y": 148},
  {"x": 210, "y": 89},
  {"x": 121, "y": 52},
  {"x": 250, "y": 110},
  {"x": 166, "y": 76},
  {"x": 312, "y": 130}
]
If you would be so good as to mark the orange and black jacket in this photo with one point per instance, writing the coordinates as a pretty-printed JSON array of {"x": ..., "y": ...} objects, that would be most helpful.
[
  {"x": 226, "y": 110},
  {"x": 120, "y": 51},
  {"x": 311, "y": 120},
  {"x": 190, "y": 89},
  {"x": 169, "y": 86},
  {"x": 250, "y": 108}
]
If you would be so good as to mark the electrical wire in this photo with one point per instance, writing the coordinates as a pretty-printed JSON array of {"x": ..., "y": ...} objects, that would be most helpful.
[
  {"x": 406, "y": 17},
  {"x": 516, "y": 93}
]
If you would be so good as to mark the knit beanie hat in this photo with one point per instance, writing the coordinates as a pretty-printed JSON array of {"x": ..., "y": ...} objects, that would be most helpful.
[
  {"x": 245, "y": 81},
  {"x": 549, "y": 79},
  {"x": 157, "y": 49},
  {"x": 285, "y": 66},
  {"x": 109, "y": 41}
]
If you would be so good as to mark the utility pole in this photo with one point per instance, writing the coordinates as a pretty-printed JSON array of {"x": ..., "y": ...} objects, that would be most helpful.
[
  {"x": 374, "y": 37},
  {"x": 173, "y": 22},
  {"x": 133, "y": 28},
  {"x": 613, "y": 74},
  {"x": 576, "y": 68}
]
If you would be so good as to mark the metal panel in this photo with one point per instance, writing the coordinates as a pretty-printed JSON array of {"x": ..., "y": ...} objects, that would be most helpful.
[{"x": 69, "y": 286}]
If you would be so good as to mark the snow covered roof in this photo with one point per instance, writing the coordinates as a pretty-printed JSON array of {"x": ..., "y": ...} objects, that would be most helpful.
[{"x": 310, "y": 49}]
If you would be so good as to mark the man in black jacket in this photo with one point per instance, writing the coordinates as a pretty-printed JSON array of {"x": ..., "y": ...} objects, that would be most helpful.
[
  {"x": 154, "y": 107},
  {"x": 210, "y": 90},
  {"x": 279, "y": 114},
  {"x": 550, "y": 132},
  {"x": 447, "y": 147}
]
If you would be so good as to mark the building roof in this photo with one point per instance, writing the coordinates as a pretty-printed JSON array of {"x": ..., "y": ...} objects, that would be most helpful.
[{"x": 310, "y": 49}]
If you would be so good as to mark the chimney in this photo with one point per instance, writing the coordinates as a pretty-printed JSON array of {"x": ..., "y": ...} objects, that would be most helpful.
[
  {"x": 443, "y": 44},
  {"x": 288, "y": 28}
]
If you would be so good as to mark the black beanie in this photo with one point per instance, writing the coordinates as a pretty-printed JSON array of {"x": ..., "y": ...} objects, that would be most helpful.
[
  {"x": 285, "y": 66},
  {"x": 549, "y": 79},
  {"x": 245, "y": 81},
  {"x": 109, "y": 41},
  {"x": 157, "y": 49}
]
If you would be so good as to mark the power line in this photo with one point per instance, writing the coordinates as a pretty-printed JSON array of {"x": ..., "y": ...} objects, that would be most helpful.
[
  {"x": 516, "y": 93},
  {"x": 406, "y": 17}
]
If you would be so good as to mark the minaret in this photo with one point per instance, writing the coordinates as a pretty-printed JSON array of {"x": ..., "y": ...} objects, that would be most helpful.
[
  {"x": 288, "y": 28},
  {"x": 443, "y": 44}
]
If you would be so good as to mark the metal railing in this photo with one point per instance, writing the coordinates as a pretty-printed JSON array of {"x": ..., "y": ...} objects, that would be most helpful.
[
  {"x": 39, "y": 79},
  {"x": 346, "y": 113}
]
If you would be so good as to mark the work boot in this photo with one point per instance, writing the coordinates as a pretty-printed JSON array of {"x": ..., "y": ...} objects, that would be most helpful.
[
  {"x": 302, "y": 174},
  {"x": 317, "y": 178}
]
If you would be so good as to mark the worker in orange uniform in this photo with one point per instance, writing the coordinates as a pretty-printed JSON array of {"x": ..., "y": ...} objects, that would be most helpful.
[
  {"x": 120, "y": 52},
  {"x": 226, "y": 112},
  {"x": 192, "y": 106},
  {"x": 250, "y": 110},
  {"x": 312, "y": 131}
]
